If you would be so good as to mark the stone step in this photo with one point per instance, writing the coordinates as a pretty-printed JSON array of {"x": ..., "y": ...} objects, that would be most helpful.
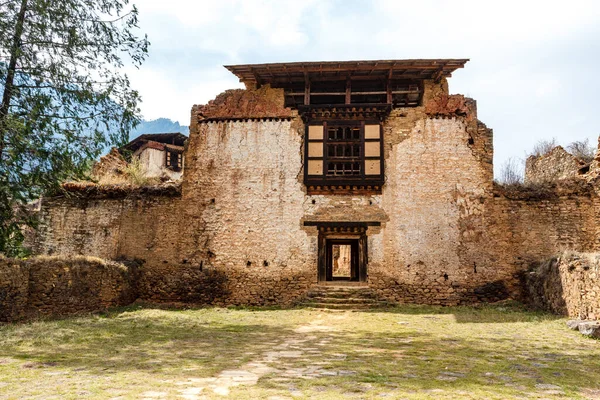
[
  {"x": 342, "y": 295},
  {"x": 340, "y": 306},
  {"x": 341, "y": 300},
  {"x": 347, "y": 284},
  {"x": 342, "y": 287}
]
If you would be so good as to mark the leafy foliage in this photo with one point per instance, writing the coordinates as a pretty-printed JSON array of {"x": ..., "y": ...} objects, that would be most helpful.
[{"x": 64, "y": 98}]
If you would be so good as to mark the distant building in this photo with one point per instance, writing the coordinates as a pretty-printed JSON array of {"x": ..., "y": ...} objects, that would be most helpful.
[{"x": 161, "y": 154}]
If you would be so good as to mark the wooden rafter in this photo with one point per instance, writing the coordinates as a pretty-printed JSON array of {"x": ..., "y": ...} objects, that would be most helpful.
[{"x": 425, "y": 69}]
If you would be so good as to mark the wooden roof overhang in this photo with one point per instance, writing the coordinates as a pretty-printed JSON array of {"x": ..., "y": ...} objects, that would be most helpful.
[
  {"x": 175, "y": 138},
  {"x": 286, "y": 74}
]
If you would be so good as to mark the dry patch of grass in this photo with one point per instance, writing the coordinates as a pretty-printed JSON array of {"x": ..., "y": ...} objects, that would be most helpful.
[{"x": 494, "y": 352}]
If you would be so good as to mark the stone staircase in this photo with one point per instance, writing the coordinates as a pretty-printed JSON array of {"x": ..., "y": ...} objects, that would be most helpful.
[{"x": 347, "y": 296}]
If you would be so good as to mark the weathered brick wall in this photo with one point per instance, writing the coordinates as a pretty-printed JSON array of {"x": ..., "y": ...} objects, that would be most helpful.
[
  {"x": 556, "y": 165},
  {"x": 236, "y": 234},
  {"x": 218, "y": 285},
  {"x": 567, "y": 285},
  {"x": 14, "y": 289},
  {"x": 438, "y": 169},
  {"x": 109, "y": 225},
  {"x": 527, "y": 225},
  {"x": 62, "y": 285},
  {"x": 112, "y": 168}
]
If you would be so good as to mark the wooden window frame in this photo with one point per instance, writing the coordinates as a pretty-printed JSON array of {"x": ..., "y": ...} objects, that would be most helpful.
[
  {"x": 340, "y": 184},
  {"x": 168, "y": 157}
]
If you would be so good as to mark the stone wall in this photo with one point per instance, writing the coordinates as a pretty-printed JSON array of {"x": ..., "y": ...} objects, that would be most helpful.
[
  {"x": 110, "y": 222},
  {"x": 438, "y": 171},
  {"x": 14, "y": 289},
  {"x": 236, "y": 232},
  {"x": 62, "y": 285},
  {"x": 556, "y": 165},
  {"x": 217, "y": 285},
  {"x": 111, "y": 168},
  {"x": 567, "y": 285}
]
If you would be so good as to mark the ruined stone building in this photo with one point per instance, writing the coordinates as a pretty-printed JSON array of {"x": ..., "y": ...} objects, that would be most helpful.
[
  {"x": 160, "y": 154},
  {"x": 556, "y": 165},
  {"x": 316, "y": 166}
]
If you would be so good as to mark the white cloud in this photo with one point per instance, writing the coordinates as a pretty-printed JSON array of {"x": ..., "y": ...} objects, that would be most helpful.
[{"x": 529, "y": 59}]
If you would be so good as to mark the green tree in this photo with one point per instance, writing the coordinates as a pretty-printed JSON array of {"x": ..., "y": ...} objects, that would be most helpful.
[{"x": 64, "y": 95}]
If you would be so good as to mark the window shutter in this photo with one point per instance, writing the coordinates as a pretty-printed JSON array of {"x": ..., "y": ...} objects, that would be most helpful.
[
  {"x": 372, "y": 150},
  {"x": 315, "y": 150}
]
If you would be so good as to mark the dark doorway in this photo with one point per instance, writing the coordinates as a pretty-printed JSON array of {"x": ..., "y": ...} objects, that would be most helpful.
[
  {"x": 333, "y": 237},
  {"x": 342, "y": 260}
]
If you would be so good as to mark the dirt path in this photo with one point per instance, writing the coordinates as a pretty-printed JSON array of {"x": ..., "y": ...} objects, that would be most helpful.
[{"x": 279, "y": 359}]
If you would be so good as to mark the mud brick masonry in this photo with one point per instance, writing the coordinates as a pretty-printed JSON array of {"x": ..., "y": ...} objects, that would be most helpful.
[{"x": 374, "y": 154}]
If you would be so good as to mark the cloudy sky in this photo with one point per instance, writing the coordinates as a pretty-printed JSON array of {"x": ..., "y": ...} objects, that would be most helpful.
[{"x": 534, "y": 66}]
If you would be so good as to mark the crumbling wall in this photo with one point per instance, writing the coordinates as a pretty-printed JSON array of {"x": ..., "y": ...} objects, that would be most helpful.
[
  {"x": 567, "y": 285},
  {"x": 530, "y": 224},
  {"x": 111, "y": 168},
  {"x": 438, "y": 177},
  {"x": 244, "y": 104},
  {"x": 62, "y": 285},
  {"x": 558, "y": 164},
  {"x": 247, "y": 177},
  {"x": 95, "y": 220},
  {"x": 236, "y": 233},
  {"x": 14, "y": 289}
]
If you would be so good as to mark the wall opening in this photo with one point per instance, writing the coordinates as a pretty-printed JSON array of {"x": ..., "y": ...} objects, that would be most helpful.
[
  {"x": 342, "y": 259},
  {"x": 333, "y": 236}
]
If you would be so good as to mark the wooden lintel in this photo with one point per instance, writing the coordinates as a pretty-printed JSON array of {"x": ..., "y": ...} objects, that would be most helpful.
[
  {"x": 354, "y": 93},
  {"x": 327, "y": 224}
]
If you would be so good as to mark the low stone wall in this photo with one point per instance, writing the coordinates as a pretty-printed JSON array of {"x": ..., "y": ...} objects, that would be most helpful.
[
  {"x": 443, "y": 291},
  {"x": 216, "y": 286},
  {"x": 62, "y": 285},
  {"x": 567, "y": 285},
  {"x": 14, "y": 289}
]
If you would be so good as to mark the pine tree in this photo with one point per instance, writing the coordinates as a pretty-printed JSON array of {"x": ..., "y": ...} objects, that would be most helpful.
[{"x": 64, "y": 97}]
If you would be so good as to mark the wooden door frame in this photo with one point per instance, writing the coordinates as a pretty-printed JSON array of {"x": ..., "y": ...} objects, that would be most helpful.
[
  {"x": 342, "y": 229},
  {"x": 354, "y": 261},
  {"x": 359, "y": 254}
]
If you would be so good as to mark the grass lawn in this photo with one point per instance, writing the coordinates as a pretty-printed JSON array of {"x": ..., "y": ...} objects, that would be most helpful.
[{"x": 412, "y": 352}]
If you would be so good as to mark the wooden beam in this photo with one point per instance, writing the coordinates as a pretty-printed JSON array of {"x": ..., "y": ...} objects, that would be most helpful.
[
  {"x": 306, "y": 89},
  {"x": 437, "y": 76},
  {"x": 388, "y": 86},
  {"x": 354, "y": 93},
  {"x": 282, "y": 81},
  {"x": 348, "y": 90},
  {"x": 258, "y": 82}
]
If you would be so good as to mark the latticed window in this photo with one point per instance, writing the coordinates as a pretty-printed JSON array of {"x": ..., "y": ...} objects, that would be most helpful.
[
  {"x": 344, "y": 154},
  {"x": 174, "y": 160}
]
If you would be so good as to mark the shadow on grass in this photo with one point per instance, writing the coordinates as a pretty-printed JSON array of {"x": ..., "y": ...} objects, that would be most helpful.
[
  {"x": 486, "y": 363},
  {"x": 504, "y": 312},
  {"x": 402, "y": 349},
  {"x": 152, "y": 340}
]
